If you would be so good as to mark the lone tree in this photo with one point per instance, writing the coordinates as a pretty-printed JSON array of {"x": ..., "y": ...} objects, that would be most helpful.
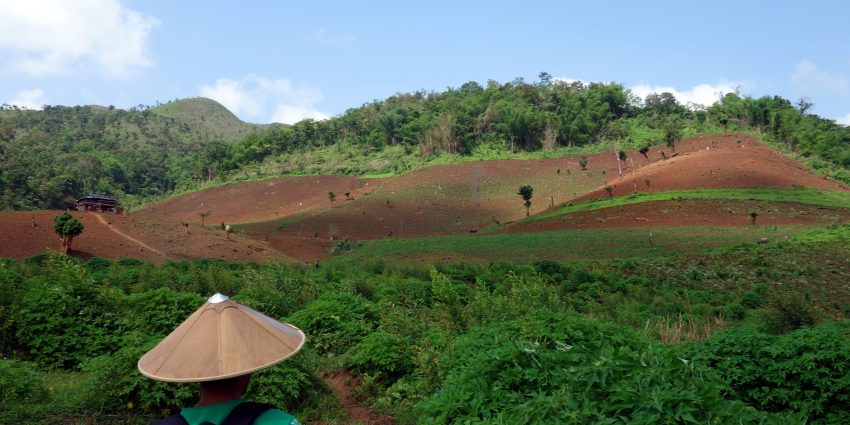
[
  {"x": 672, "y": 134},
  {"x": 583, "y": 163},
  {"x": 643, "y": 151},
  {"x": 67, "y": 227},
  {"x": 331, "y": 197},
  {"x": 204, "y": 215},
  {"x": 753, "y": 216},
  {"x": 622, "y": 155},
  {"x": 526, "y": 191},
  {"x": 610, "y": 190}
]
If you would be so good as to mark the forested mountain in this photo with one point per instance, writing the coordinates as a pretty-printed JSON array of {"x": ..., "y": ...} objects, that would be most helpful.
[
  {"x": 525, "y": 117},
  {"x": 49, "y": 157}
]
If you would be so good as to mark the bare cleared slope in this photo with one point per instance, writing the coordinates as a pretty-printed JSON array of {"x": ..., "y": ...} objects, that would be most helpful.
[
  {"x": 293, "y": 215},
  {"x": 117, "y": 236}
]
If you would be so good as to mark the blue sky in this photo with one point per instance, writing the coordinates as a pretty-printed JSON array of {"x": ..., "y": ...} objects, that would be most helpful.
[{"x": 284, "y": 61}]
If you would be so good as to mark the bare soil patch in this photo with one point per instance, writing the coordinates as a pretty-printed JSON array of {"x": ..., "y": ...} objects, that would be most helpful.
[
  {"x": 342, "y": 384},
  {"x": 690, "y": 212},
  {"x": 118, "y": 236},
  {"x": 291, "y": 218},
  {"x": 708, "y": 162},
  {"x": 256, "y": 201}
]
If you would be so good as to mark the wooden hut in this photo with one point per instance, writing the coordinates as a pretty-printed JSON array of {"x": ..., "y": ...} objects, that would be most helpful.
[{"x": 98, "y": 203}]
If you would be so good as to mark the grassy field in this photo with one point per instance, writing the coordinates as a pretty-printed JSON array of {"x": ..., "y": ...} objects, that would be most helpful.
[
  {"x": 567, "y": 245},
  {"x": 802, "y": 196}
]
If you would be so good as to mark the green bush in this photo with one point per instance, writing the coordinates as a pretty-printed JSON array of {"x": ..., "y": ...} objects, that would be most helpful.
[
  {"x": 559, "y": 369},
  {"x": 64, "y": 318},
  {"x": 20, "y": 382},
  {"x": 117, "y": 385},
  {"x": 381, "y": 354},
  {"x": 554, "y": 270},
  {"x": 786, "y": 312},
  {"x": 277, "y": 290},
  {"x": 407, "y": 292},
  {"x": 11, "y": 286},
  {"x": 804, "y": 371},
  {"x": 290, "y": 385},
  {"x": 335, "y": 322},
  {"x": 754, "y": 298},
  {"x": 160, "y": 311}
]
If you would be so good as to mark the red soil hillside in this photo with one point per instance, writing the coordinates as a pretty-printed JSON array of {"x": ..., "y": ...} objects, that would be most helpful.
[
  {"x": 293, "y": 214},
  {"x": 689, "y": 212},
  {"x": 255, "y": 201},
  {"x": 708, "y": 162},
  {"x": 116, "y": 236},
  {"x": 445, "y": 199}
]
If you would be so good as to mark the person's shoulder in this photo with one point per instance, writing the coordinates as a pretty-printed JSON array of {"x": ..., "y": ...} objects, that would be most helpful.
[{"x": 276, "y": 417}]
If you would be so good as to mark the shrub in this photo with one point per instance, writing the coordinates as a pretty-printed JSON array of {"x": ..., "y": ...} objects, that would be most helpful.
[
  {"x": 290, "y": 385},
  {"x": 117, "y": 385},
  {"x": 381, "y": 354},
  {"x": 754, "y": 298},
  {"x": 786, "y": 312},
  {"x": 335, "y": 322},
  {"x": 554, "y": 270},
  {"x": 64, "y": 318},
  {"x": 160, "y": 311},
  {"x": 804, "y": 371},
  {"x": 20, "y": 382},
  {"x": 276, "y": 291},
  {"x": 11, "y": 284},
  {"x": 342, "y": 246},
  {"x": 551, "y": 369},
  {"x": 408, "y": 292}
]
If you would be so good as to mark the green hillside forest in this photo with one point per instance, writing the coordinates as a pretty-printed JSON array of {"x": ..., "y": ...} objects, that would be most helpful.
[{"x": 49, "y": 157}]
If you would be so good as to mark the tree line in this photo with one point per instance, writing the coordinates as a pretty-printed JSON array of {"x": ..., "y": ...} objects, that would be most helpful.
[{"x": 51, "y": 156}]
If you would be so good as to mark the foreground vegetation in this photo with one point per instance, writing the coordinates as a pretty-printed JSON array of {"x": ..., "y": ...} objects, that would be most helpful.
[
  {"x": 50, "y": 157},
  {"x": 746, "y": 334}
]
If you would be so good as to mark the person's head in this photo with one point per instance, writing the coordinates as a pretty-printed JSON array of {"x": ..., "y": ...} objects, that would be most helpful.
[{"x": 238, "y": 386}]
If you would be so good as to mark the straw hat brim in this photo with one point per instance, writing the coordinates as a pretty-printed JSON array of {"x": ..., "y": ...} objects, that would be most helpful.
[{"x": 218, "y": 341}]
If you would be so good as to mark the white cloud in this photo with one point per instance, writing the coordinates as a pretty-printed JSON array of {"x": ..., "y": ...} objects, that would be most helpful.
[
  {"x": 289, "y": 114},
  {"x": 253, "y": 97},
  {"x": 29, "y": 99},
  {"x": 845, "y": 120},
  {"x": 233, "y": 96},
  {"x": 325, "y": 38},
  {"x": 46, "y": 37},
  {"x": 565, "y": 80},
  {"x": 808, "y": 76},
  {"x": 700, "y": 94}
]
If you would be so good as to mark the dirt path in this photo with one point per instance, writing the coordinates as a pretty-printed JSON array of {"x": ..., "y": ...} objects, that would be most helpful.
[
  {"x": 342, "y": 384},
  {"x": 128, "y": 237}
]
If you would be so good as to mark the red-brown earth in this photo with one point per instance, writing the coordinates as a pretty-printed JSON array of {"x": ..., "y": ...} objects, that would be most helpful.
[
  {"x": 118, "y": 236},
  {"x": 292, "y": 219},
  {"x": 689, "y": 212}
]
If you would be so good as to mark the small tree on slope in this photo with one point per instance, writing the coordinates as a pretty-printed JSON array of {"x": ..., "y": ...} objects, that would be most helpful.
[
  {"x": 526, "y": 192},
  {"x": 67, "y": 227}
]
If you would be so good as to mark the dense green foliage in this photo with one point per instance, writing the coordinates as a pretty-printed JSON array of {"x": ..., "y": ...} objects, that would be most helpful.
[
  {"x": 518, "y": 116},
  {"x": 49, "y": 157},
  {"x": 610, "y": 341},
  {"x": 557, "y": 368},
  {"x": 804, "y": 371}
]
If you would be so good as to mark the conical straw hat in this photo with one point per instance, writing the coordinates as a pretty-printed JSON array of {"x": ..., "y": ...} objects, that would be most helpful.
[{"x": 222, "y": 339}]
